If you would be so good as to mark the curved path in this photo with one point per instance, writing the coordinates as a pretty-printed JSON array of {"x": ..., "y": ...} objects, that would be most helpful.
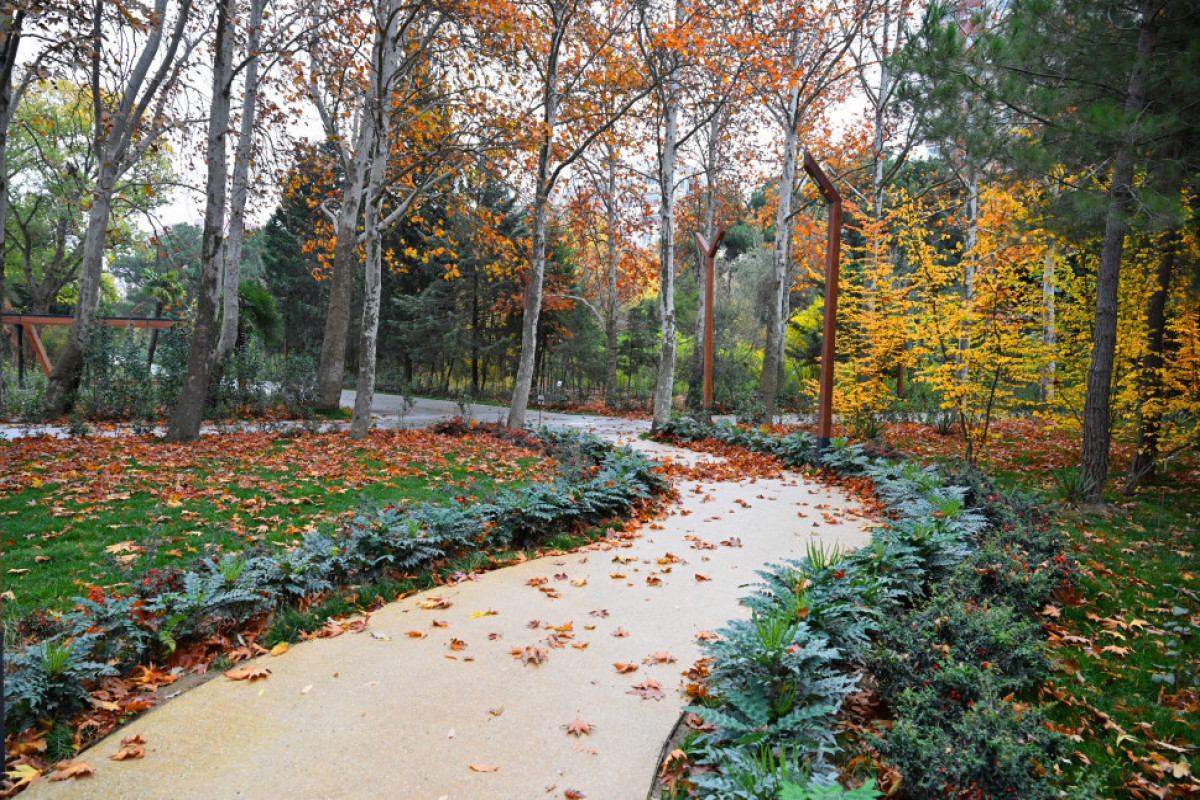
[{"x": 385, "y": 714}]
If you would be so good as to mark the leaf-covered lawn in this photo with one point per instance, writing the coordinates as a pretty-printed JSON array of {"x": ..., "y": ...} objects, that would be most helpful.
[
  {"x": 1126, "y": 645},
  {"x": 97, "y": 511}
]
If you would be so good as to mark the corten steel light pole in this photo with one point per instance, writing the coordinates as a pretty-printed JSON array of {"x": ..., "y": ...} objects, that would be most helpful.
[
  {"x": 833, "y": 252},
  {"x": 710, "y": 254}
]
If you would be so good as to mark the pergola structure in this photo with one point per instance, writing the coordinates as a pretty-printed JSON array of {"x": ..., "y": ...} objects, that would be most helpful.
[
  {"x": 833, "y": 252},
  {"x": 26, "y": 325}
]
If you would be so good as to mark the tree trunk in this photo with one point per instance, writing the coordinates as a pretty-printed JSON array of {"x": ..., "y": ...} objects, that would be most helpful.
[
  {"x": 11, "y": 23},
  {"x": 1093, "y": 465},
  {"x": 231, "y": 277},
  {"x": 364, "y": 398},
  {"x": 610, "y": 311},
  {"x": 768, "y": 383},
  {"x": 111, "y": 143},
  {"x": 695, "y": 395},
  {"x": 206, "y": 332},
  {"x": 666, "y": 293},
  {"x": 1150, "y": 383},
  {"x": 332, "y": 365},
  {"x": 964, "y": 342},
  {"x": 68, "y": 369},
  {"x": 537, "y": 256},
  {"x": 1049, "y": 332}
]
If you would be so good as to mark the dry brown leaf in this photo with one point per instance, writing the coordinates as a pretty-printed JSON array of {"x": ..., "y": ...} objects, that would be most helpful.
[
  {"x": 417, "y": 634},
  {"x": 66, "y": 770},
  {"x": 482, "y": 768},
  {"x": 434, "y": 602},
  {"x": 578, "y": 727},
  {"x": 247, "y": 673},
  {"x": 648, "y": 690},
  {"x": 624, "y": 668},
  {"x": 131, "y": 747}
]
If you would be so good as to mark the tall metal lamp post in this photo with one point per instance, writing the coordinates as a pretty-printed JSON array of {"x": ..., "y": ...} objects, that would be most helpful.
[
  {"x": 710, "y": 255},
  {"x": 833, "y": 252}
]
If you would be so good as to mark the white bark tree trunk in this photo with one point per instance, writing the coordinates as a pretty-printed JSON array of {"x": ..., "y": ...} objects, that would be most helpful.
[
  {"x": 240, "y": 187},
  {"x": 666, "y": 293},
  {"x": 768, "y": 384},
  {"x": 537, "y": 256},
  {"x": 384, "y": 65},
  {"x": 1049, "y": 331},
  {"x": 116, "y": 151}
]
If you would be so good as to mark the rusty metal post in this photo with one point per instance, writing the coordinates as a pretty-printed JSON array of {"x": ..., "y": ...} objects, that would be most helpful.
[
  {"x": 710, "y": 255},
  {"x": 21, "y": 356},
  {"x": 833, "y": 252}
]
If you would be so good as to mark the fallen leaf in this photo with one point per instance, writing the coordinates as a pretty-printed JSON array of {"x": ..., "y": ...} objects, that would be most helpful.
[
  {"x": 701, "y": 578},
  {"x": 434, "y": 602},
  {"x": 131, "y": 747},
  {"x": 578, "y": 727},
  {"x": 306, "y": 689},
  {"x": 648, "y": 689},
  {"x": 624, "y": 668},
  {"x": 417, "y": 634},
  {"x": 23, "y": 775},
  {"x": 457, "y": 644},
  {"x": 706, "y": 636},
  {"x": 247, "y": 673},
  {"x": 662, "y": 657},
  {"x": 530, "y": 655},
  {"x": 620, "y": 633},
  {"x": 66, "y": 770},
  {"x": 574, "y": 794},
  {"x": 279, "y": 649},
  {"x": 482, "y": 768},
  {"x": 600, "y": 612}
]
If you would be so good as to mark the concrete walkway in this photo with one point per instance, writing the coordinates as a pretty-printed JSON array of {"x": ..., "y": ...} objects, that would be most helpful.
[{"x": 430, "y": 702}]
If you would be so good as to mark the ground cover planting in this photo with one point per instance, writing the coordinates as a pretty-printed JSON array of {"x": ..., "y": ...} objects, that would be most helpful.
[
  {"x": 92, "y": 512},
  {"x": 914, "y": 663},
  {"x": 1125, "y": 647}
]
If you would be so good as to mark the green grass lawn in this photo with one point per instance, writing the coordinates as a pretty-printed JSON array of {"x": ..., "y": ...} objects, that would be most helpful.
[{"x": 100, "y": 511}]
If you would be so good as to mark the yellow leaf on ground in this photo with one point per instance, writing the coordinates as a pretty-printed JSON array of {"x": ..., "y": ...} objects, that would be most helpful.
[
  {"x": 279, "y": 649},
  {"x": 23, "y": 775}
]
